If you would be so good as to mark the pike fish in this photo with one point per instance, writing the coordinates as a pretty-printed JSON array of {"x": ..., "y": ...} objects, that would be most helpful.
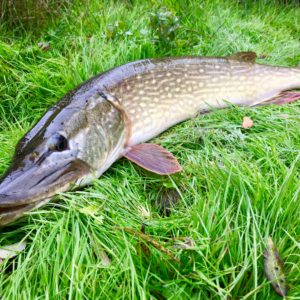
[{"x": 113, "y": 114}]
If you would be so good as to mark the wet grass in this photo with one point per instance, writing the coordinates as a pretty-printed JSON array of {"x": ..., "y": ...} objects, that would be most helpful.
[{"x": 237, "y": 186}]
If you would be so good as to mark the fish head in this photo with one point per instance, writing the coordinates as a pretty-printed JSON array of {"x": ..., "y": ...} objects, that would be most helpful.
[{"x": 66, "y": 148}]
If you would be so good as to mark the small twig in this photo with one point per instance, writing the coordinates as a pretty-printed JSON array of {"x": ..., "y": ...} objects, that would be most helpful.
[{"x": 150, "y": 240}]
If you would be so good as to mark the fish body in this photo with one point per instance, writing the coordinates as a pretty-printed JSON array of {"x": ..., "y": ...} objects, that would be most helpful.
[
  {"x": 158, "y": 94},
  {"x": 110, "y": 115}
]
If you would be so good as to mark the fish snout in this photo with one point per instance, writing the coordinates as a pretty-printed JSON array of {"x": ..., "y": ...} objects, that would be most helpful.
[
  {"x": 39, "y": 182},
  {"x": 11, "y": 201},
  {"x": 18, "y": 187},
  {"x": 22, "y": 190}
]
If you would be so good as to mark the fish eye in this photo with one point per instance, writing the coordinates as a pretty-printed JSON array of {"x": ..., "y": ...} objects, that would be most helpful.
[{"x": 57, "y": 142}]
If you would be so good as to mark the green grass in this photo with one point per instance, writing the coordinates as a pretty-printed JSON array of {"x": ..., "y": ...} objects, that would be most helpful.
[{"x": 237, "y": 186}]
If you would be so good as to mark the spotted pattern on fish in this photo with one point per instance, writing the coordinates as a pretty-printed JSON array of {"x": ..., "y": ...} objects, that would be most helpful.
[
  {"x": 164, "y": 92},
  {"x": 108, "y": 116}
]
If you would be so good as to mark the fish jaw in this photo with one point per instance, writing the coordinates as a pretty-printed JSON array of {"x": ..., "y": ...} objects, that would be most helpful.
[
  {"x": 8, "y": 215},
  {"x": 24, "y": 190}
]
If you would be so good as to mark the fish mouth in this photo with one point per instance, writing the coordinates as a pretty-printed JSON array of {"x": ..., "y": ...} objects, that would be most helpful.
[
  {"x": 8, "y": 215},
  {"x": 23, "y": 190}
]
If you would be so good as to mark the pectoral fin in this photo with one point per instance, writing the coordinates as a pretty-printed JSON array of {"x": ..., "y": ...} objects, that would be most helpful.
[{"x": 153, "y": 158}]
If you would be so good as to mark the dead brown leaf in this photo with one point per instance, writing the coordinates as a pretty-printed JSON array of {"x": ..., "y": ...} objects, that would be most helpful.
[
  {"x": 247, "y": 122},
  {"x": 45, "y": 46},
  {"x": 274, "y": 268},
  {"x": 11, "y": 251}
]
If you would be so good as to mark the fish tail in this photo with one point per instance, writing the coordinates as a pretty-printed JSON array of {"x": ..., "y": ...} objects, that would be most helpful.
[
  {"x": 288, "y": 95},
  {"x": 291, "y": 92}
]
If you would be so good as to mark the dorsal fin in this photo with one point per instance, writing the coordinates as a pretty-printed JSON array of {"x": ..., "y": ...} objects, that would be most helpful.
[{"x": 244, "y": 56}]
